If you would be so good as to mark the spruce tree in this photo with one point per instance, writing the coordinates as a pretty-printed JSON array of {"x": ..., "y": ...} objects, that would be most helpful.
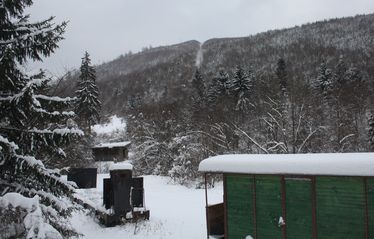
[
  {"x": 32, "y": 125},
  {"x": 88, "y": 104},
  {"x": 323, "y": 81},
  {"x": 241, "y": 87},
  {"x": 218, "y": 89}
]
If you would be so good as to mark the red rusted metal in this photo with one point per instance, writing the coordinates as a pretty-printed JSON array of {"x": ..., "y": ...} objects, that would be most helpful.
[
  {"x": 206, "y": 206},
  {"x": 225, "y": 204},
  {"x": 283, "y": 194},
  {"x": 314, "y": 209}
]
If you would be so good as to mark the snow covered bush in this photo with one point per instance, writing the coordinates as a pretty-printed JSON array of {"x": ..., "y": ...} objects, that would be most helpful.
[{"x": 189, "y": 153}]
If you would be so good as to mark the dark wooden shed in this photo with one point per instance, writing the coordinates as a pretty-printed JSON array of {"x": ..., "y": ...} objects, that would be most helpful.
[
  {"x": 116, "y": 151},
  {"x": 293, "y": 196}
]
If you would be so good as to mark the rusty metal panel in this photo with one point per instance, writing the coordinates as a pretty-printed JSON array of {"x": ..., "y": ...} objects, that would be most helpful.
[
  {"x": 121, "y": 186},
  {"x": 216, "y": 219},
  {"x": 137, "y": 197},
  {"x": 83, "y": 177},
  {"x": 138, "y": 182},
  {"x": 107, "y": 193}
]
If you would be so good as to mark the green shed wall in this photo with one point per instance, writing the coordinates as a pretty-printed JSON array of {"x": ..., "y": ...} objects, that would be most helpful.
[
  {"x": 299, "y": 208},
  {"x": 337, "y": 205},
  {"x": 268, "y": 207},
  {"x": 239, "y": 206},
  {"x": 340, "y": 208}
]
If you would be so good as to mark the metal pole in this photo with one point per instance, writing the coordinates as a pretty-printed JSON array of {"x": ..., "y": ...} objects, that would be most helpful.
[{"x": 206, "y": 206}]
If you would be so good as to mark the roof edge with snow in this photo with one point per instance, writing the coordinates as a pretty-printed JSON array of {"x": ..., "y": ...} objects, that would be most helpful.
[
  {"x": 333, "y": 164},
  {"x": 112, "y": 145}
]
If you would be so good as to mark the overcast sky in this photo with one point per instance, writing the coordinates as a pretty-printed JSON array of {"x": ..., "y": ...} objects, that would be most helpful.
[{"x": 109, "y": 28}]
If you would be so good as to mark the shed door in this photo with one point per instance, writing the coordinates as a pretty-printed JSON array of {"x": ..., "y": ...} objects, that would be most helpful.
[
  {"x": 340, "y": 208},
  {"x": 239, "y": 198},
  {"x": 299, "y": 208},
  {"x": 268, "y": 207}
]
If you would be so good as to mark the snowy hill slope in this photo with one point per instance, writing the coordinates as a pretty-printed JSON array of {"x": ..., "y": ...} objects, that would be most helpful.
[{"x": 164, "y": 74}]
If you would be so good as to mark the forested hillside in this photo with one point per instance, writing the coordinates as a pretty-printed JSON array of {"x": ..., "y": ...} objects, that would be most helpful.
[{"x": 297, "y": 90}]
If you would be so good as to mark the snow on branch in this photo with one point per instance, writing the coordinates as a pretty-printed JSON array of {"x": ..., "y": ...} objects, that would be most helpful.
[
  {"x": 55, "y": 98},
  {"x": 5, "y": 141},
  {"x": 34, "y": 222},
  {"x": 63, "y": 131},
  {"x": 55, "y": 113}
]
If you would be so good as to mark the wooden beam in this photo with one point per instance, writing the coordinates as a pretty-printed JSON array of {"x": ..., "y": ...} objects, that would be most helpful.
[
  {"x": 314, "y": 208},
  {"x": 206, "y": 206},
  {"x": 284, "y": 216},
  {"x": 366, "y": 208},
  {"x": 225, "y": 204},
  {"x": 254, "y": 207}
]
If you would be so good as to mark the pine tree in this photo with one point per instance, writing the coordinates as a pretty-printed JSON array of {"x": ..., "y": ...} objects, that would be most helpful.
[
  {"x": 241, "y": 87},
  {"x": 32, "y": 125},
  {"x": 219, "y": 88},
  {"x": 88, "y": 104},
  {"x": 323, "y": 81}
]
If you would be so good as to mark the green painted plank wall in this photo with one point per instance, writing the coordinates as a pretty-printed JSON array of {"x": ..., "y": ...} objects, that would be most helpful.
[
  {"x": 239, "y": 206},
  {"x": 268, "y": 207},
  {"x": 370, "y": 195},
  {"x": 340, "y": 208},
  {"x": 299, "y": 208}
]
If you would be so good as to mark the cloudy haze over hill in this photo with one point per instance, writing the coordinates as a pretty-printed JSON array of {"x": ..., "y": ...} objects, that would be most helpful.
[{"x": 114, "y": 27}]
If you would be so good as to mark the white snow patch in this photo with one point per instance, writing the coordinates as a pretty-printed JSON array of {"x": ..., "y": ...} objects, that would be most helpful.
[
  {"x": 199, "y": 56},
  {"x": 33, "y": 221},
  {"x": 175, "y": 212},
  {"x": 340, "y": 164},
  {"x": 120, "y": 166},
  {"x": 115, "y": 124}
]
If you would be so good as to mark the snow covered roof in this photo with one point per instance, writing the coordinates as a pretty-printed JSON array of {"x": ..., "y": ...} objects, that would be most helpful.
[
  {"x": 340, "y": 164},
  {"x": 120, "y": 166},
  {"x": 112, "y": 145}
]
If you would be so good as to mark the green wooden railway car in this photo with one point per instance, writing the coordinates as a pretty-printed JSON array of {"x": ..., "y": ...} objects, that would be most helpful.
[{"x": 298, "y": 196}]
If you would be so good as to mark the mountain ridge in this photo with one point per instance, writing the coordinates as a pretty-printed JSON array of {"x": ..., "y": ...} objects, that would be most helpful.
[{"x": 163, "y": 74}]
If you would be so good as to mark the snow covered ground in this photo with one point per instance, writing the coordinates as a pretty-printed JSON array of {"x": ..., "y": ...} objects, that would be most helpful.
[{"x": 176, "y": 212}]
